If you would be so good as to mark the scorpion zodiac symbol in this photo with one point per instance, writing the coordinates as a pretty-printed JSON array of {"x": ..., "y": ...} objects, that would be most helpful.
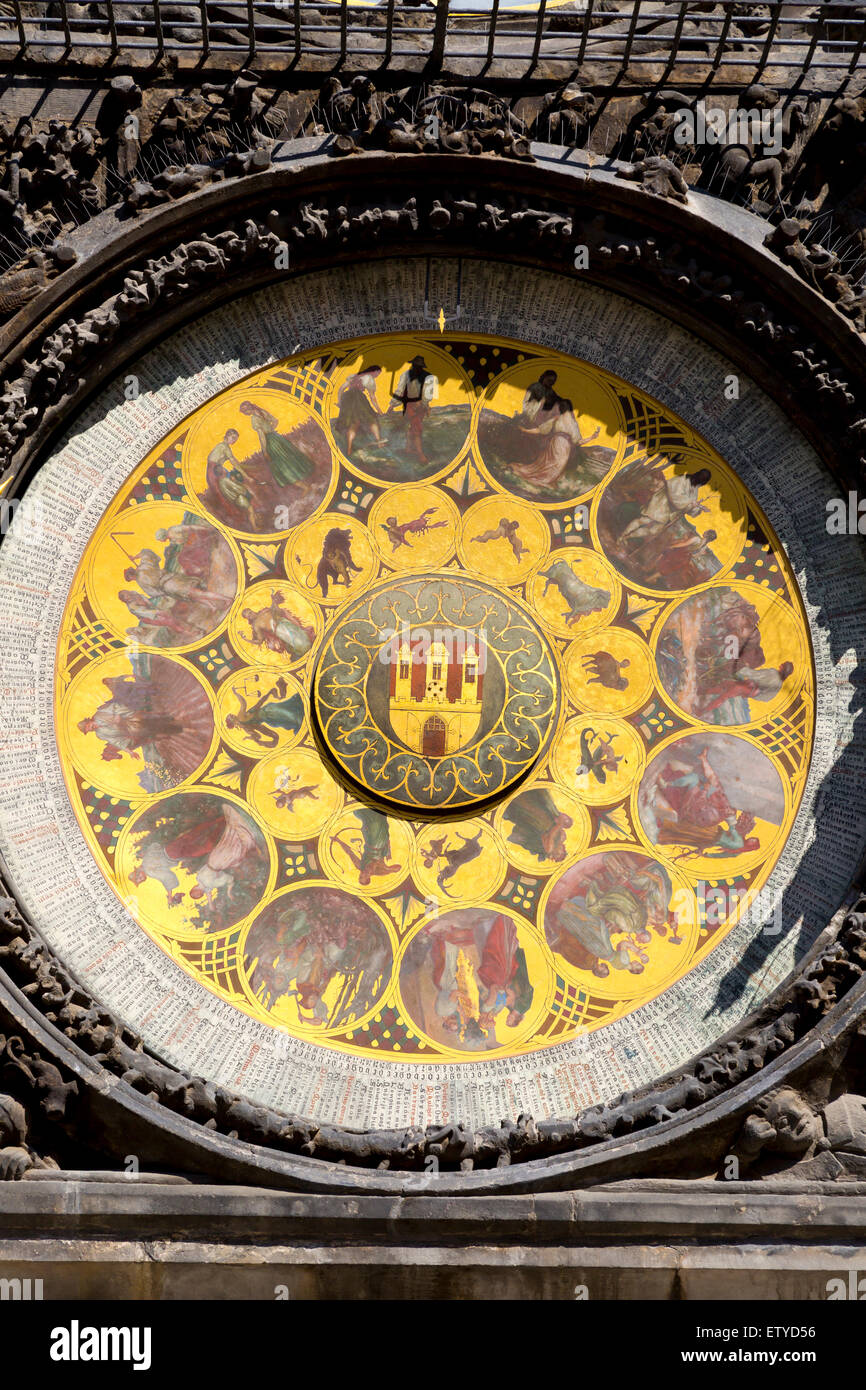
[{"x": 399, "y": 532}]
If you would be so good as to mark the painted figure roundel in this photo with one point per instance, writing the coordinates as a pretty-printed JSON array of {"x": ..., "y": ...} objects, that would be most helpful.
[{"x": 430, "y": 697}]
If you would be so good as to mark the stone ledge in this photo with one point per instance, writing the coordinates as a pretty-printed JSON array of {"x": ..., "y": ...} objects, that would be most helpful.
[
  {"x": 114, "y": 1268},
  {"x": 94, "y": 1208}
]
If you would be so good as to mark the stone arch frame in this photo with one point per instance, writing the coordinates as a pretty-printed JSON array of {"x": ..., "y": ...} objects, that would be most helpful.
[{"x": 701, "y": 265}]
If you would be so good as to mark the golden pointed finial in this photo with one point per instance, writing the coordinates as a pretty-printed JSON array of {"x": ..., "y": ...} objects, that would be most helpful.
[{"x": 441, "y": 320}]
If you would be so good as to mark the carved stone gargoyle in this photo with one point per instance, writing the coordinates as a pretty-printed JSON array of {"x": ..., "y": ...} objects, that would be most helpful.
[
  {"x": 785, "y": 1137},
  {"x": 657, "y": 175},
  {"x": 16, "y": 1156}
]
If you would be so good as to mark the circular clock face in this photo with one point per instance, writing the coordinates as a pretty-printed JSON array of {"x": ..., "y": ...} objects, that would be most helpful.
[
  {"x": 425, "y": 724},
  {"x": 433, "y": 698}
]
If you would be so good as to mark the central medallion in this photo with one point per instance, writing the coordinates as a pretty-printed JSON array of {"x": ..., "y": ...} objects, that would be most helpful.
[{"x": 435, "y": 692}]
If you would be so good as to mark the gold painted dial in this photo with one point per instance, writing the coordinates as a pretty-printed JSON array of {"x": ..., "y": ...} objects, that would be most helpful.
[{"x": 434, "y": 697}]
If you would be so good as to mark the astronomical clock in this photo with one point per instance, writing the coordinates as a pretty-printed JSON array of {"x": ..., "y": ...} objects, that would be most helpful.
[
  {"x": 433, "y": 701},
  {"x": 432, "y": 602}
]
